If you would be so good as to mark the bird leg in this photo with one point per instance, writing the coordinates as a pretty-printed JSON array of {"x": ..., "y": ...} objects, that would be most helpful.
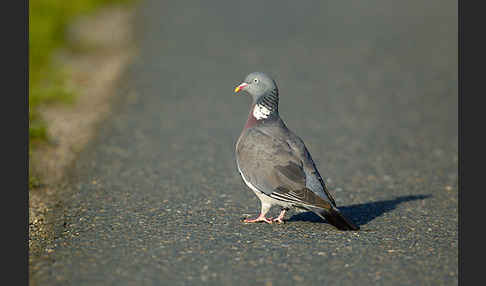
[
  {"x": 280, "y": 217},
  {"x": 261, "y": 217}
]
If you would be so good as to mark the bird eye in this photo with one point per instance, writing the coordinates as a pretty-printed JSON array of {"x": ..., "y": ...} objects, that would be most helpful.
[{"x": 255, "y": 80}]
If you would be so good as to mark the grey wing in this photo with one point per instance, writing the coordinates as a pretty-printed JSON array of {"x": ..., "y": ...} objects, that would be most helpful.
[
  {"x": 314, "y": 179},
  {"x": 272, "y": 166},
  {"x": 314, "y": 173}
]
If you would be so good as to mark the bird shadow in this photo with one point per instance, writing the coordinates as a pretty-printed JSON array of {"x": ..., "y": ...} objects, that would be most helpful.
[{"x": 361, "y": 214}]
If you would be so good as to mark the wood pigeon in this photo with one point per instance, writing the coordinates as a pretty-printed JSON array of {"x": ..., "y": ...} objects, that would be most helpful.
[{"x": 274, "y": 162}]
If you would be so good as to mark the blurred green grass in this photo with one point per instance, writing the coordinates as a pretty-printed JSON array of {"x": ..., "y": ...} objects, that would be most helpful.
[{"x": 48, "y": 20}]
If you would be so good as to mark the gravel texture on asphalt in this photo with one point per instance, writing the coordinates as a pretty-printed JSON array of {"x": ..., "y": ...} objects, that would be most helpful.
[{"x": 371, "y": 87}]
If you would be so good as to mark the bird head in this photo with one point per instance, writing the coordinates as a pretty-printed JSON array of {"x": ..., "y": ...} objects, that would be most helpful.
[{"x": 258, "y": 84}]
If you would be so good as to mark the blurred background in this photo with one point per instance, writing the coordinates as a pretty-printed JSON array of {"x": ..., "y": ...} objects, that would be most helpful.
[
  {"x": 52, "y": 29},
  {"x": 48, "y": 20}
]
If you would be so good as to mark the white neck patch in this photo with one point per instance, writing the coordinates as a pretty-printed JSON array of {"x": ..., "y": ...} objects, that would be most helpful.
[{"x": 261, "y": 112}]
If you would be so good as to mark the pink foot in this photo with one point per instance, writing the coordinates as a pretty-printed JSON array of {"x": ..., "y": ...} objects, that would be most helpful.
[
  {"x": 259, "y": 219},
  {"x": 280, "y": 217},
  {"x": 278, "y": 220}
]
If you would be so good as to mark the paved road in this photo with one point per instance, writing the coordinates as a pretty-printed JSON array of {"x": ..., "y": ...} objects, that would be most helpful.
[{"x": 371, "y": 87}]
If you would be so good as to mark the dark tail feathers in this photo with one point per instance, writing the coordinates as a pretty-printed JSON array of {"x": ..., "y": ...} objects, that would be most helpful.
[{"x": 336, "y": 218}]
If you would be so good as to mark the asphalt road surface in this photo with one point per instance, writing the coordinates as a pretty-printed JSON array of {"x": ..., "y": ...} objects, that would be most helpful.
[{"x": 371, "y": 87}]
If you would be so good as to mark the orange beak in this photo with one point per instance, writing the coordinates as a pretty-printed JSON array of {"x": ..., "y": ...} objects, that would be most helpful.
[{"x": 240, "y": 87}]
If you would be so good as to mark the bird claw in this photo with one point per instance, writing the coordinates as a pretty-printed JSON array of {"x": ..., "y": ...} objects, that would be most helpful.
[
  {"x": 258, "y": 219},
  {"x": 278, "y": 220},
  {"x": 280, "y": 217}
]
